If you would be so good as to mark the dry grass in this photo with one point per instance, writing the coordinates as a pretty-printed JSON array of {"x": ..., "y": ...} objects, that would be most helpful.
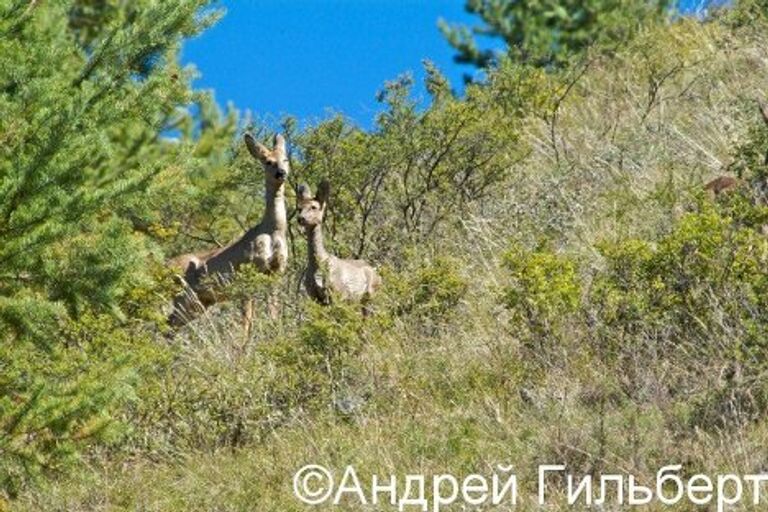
[{"x": 452, "y": 392}]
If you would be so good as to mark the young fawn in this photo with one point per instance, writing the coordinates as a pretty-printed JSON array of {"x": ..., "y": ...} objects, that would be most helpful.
[
  {"x": 264, "y": 245},
  {"x": 352, "y": 280}
]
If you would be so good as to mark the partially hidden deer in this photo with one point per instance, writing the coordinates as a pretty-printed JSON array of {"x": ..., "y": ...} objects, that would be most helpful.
[
  {"x": 203, "y": 273},
  {"x": 327, "y": 275},
  {"x": 723, "y": 184}
]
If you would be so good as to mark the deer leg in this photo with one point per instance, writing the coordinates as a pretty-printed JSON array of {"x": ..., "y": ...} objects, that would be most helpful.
[
  {"x": 247, "y": 310},
  {"x": 186, "y": 306},
  {"x": 273, "y": 302},
  {"x": 365, "y": 306}
]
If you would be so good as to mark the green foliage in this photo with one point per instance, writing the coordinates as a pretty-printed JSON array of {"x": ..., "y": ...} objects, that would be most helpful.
[
  {"x": 319, "y": 367},
  {"x": 230, "y": 391},
  {"x": 544, "y": 288},
  {"x": 426, "y": 291},
  {"x": 672, "y": 287},
  {"x": 54, "y": 401},
  {"x": 86, "y": 88},
  {"x": 751, "y": 155},
  {"x": 748, "y": 13},
  {"x": 555, "y": 284},
  {"x": 703, "y": 287},
  {"x": 197, "y": 199},
  {"x": 694, "y": 298},
  {"x": 552, "y": 32},
  {"x": 419, "y": 168}
]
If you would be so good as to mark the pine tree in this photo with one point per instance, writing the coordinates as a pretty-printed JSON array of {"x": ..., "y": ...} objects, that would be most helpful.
[
  {"x": 548, "y": 32},
  {"x": 87, "y": 91}
]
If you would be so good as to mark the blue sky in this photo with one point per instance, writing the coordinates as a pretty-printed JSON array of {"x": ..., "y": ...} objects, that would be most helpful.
[{"x": 310, "y": 57}]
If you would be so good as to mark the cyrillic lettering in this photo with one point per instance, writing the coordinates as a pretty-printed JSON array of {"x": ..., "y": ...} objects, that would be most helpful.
[
  {"x": 722, "y": 499},
  {"x": 584, "y": 487},
  {"x": 481, "y": 487},
  {"x": 604, "y": 479},
  {"x": 756, "y": 488},
  {"x": 344, "y": 487},
  {"x": 510, "y": 486},
  {"x": 420, "y": 501},
  {"x": 438, "y": 499},
  {"x": 661, "y": 478},
  {"x": 634, "y": 489},
  {"x": 546, "y": 468},
  {"x": 694, "y": 489},
  {"x": 376, "y": 487}
]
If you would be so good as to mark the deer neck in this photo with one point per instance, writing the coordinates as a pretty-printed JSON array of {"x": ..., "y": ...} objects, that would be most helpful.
[
  {"x": 274, "y": 221},
  {"x": 316, "y": 248},
  {"x": 275, "y": 214}
]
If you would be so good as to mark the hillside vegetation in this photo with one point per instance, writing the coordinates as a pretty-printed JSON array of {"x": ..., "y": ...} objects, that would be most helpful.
[{"x": 558, "y": 288}]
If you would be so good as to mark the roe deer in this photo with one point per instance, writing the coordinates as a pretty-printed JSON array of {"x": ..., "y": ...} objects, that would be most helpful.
[
  {"x": 351, "y": 279},
  {"x": 263, "y": 245},
  {"x": 728, "y": 183},
  {"x": 722, "y": 184}
]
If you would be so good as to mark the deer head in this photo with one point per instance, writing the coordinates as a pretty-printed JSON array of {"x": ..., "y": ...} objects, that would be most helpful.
[
  {"x": 312, "y": 208},
  {"x": 275, "y": 161}
]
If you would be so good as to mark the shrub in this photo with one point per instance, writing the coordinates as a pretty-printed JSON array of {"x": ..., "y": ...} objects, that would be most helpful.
[
  {"x": 430, "y": 292},
  {"x": 544, "y": 288}
]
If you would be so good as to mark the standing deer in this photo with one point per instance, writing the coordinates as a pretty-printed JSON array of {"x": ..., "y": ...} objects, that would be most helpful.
[
  {"x": 264, "y": 245},
  {"x": 351, "y": 279}
]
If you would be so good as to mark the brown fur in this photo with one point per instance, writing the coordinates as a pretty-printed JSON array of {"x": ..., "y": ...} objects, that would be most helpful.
[
  {"x": 354, "y": 280},
  {"x": 722, "y": 184},
  {"x": 264, "y": 245}
]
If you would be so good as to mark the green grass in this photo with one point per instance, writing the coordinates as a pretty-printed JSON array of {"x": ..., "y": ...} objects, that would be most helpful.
[{"x": 593, "y": 309}]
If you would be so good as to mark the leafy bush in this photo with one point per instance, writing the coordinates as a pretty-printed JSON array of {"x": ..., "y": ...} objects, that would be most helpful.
[
  {"x": 693, "y": 299},
  {"x": 430, "y": 291},
  {"x": 228, "y": 391},
  {"x": 544, "y": 289}
]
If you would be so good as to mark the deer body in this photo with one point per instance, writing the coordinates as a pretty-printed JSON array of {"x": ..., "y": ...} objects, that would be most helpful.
[
  {"x": 353, "y": 280},
  {"x": 722, "y": 184},
  {"x": 264, "y": 245}
]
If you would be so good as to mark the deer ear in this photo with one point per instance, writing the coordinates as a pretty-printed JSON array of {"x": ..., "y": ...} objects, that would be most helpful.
[
  {"x": 323, "y": 191},
  {"x": 280, "y": 144},
  {"x": 303, "y": 192},
  {"x": 256, "y": 149}
]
